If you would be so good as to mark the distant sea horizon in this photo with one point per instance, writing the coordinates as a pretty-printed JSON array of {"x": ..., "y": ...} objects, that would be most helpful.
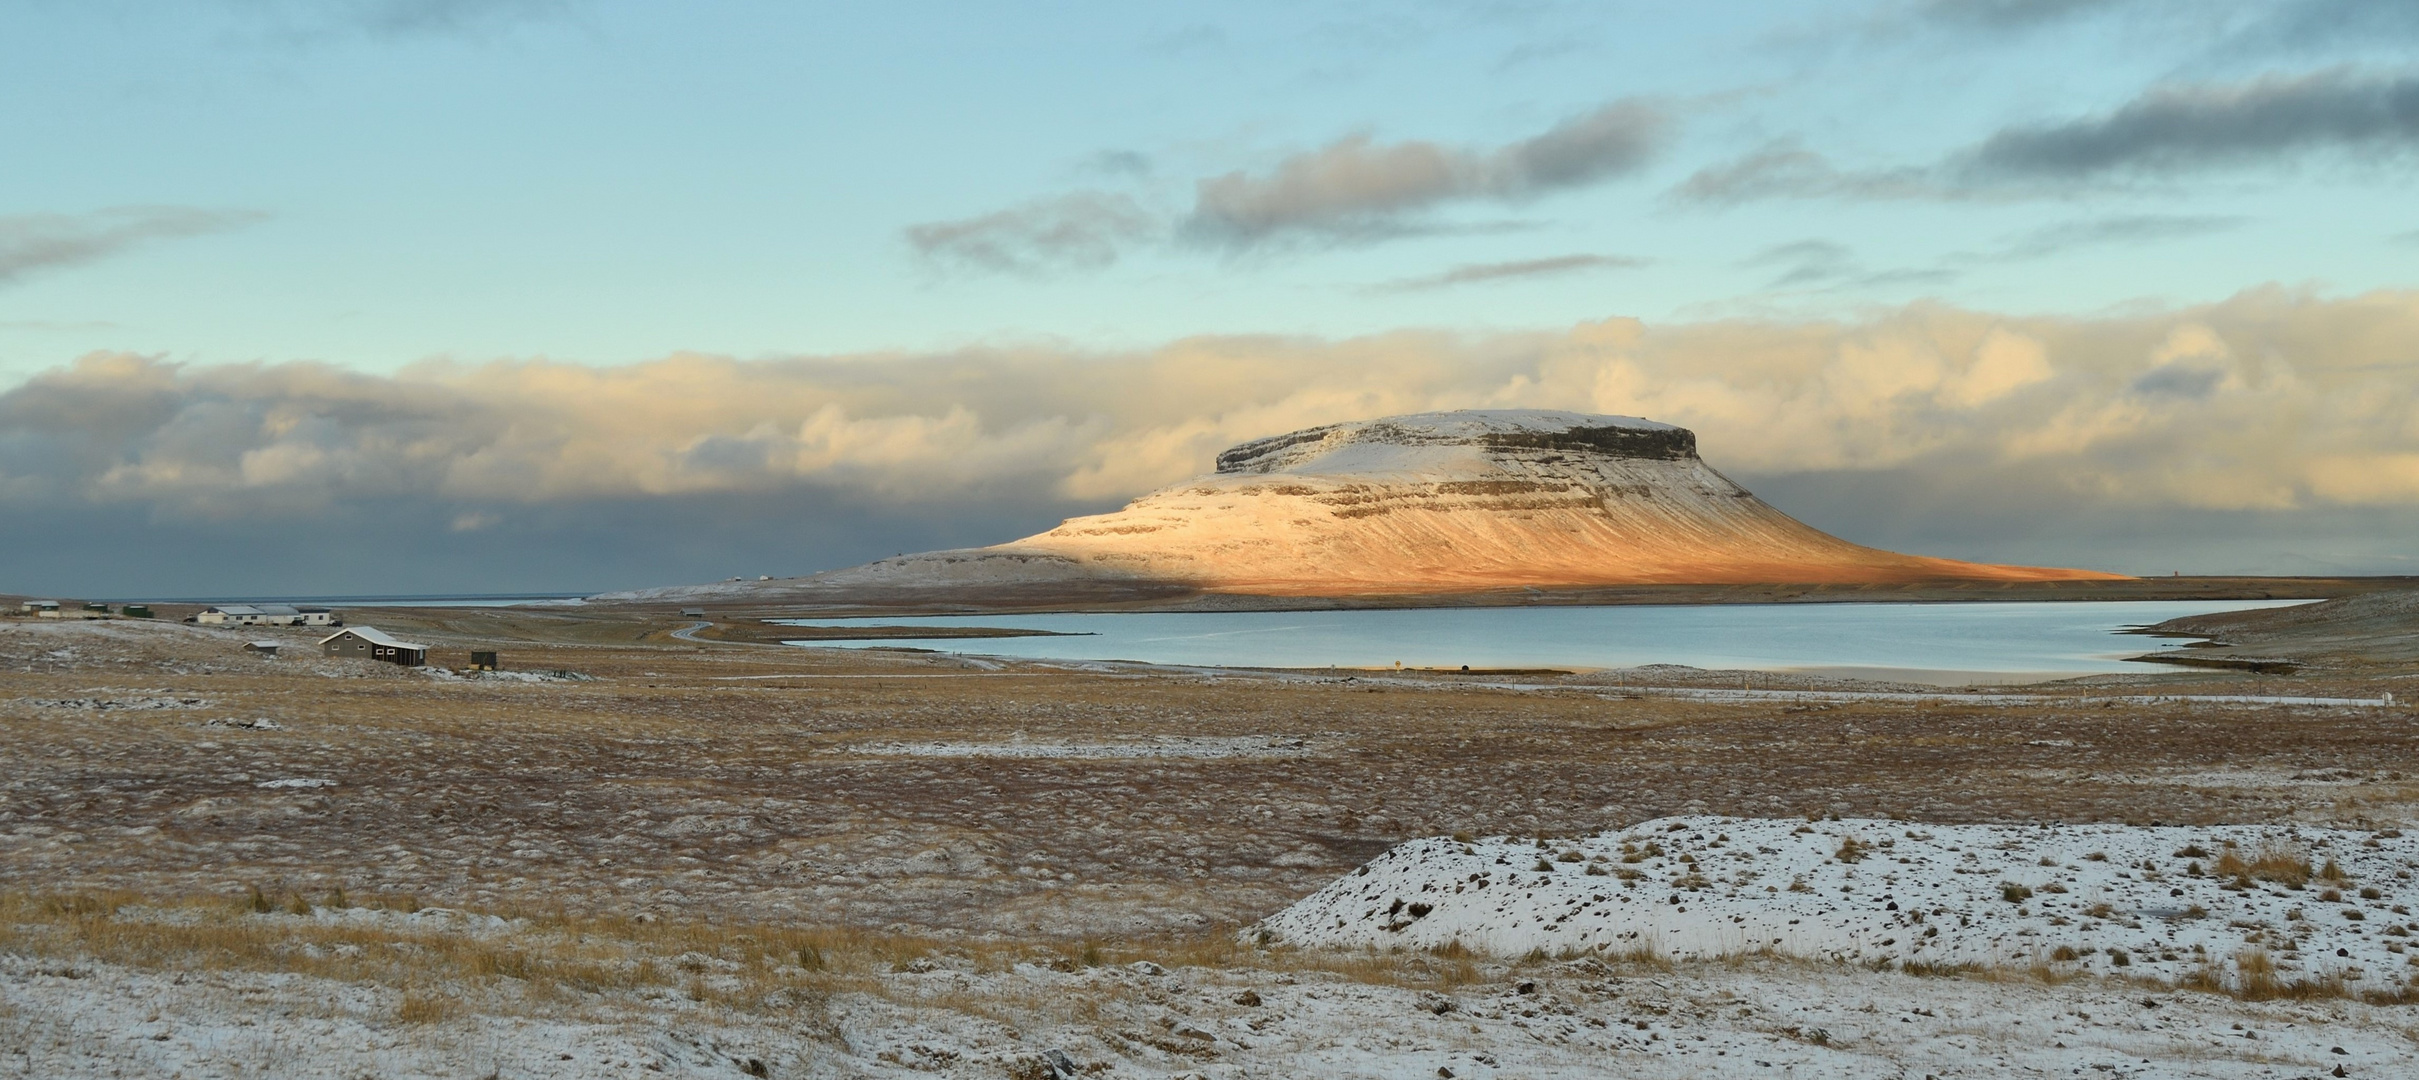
[{"x": 468, "y": 599}]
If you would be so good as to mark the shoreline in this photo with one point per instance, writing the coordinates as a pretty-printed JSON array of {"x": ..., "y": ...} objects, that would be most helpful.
[{"x": 792, "y": 598}]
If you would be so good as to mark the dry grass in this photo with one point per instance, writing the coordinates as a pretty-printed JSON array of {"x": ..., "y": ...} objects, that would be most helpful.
[
  {"x": 2283, "y": 864},
  {"x": 543, "y": 956},
  {"x": 759, "y": 793},
  {"x": 681, "y": 762},
  {"x": 2256, "y": 978},
  {"x": 426, "y": 1008},
  {"x": 552, "y": 956}
]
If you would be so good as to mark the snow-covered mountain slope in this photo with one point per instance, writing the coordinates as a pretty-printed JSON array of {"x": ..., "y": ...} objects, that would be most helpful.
[
  {"x": 2222, "y": 902},
  {"x": 1442, "y": 502}
]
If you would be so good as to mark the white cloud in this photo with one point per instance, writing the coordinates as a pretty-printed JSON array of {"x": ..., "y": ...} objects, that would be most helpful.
[
  {"x": 2267, "y": 400},
  {"x": 1357, "y": 188},
  {"x": 35, "y": 242}
]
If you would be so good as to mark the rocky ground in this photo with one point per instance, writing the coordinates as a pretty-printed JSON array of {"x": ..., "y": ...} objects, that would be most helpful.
[{"x": 668, "y": 817}]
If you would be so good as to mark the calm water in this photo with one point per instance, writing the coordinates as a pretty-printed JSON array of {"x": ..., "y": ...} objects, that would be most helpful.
[
  {"x": 1934, "y": 642},
  {"x": 449, "y": 600}
]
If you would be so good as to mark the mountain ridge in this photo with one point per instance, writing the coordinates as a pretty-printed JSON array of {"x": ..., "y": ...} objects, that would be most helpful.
[{"x": 1441, "y": 502}]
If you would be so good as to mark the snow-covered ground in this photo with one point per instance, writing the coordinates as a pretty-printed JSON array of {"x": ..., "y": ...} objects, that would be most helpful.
[
  {"x": 943, "y": 1017},
  {"x": 2163, "y": 903}
]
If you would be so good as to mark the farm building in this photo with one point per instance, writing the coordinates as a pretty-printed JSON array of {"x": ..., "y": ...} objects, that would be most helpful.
[
  {"x": 266, "y": 615},
  {"x": 265, "y": 648},
  {"x": 48, "y": 609},
  {"x": 370, "y": 643}
]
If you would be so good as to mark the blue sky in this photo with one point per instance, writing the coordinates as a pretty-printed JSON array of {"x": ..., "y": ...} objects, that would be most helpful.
[
  {"x": 365, "y": 187},
  {"x": 610, "y": 182}
]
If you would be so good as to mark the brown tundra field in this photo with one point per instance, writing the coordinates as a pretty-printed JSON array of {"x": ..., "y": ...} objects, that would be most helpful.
[{"x": 650, "y": 848}]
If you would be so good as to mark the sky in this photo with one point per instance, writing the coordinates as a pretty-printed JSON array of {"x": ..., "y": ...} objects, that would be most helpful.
[{"x": 360, "y": 296}]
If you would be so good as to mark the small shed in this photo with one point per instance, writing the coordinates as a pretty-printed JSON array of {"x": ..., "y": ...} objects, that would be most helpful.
[
  {"x": 369, "y": 643},
  {"x": 483, "y": 661},
  {"x": 692, "y": 613},
  {"x": 264, "y": 648},
  {"x": 136, "y": 611}
]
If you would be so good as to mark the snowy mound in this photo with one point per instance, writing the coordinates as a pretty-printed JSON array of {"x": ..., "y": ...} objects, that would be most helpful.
[{"x": 2221, "y": 902}]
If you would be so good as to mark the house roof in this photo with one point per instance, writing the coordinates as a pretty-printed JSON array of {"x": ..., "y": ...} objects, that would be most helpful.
[
  {"x": 374, "y": 636},
  {"x": 234, "y": 609}
]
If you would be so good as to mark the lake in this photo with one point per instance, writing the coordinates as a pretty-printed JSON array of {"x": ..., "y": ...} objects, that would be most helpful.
[{"x": 1938, "y": 643}]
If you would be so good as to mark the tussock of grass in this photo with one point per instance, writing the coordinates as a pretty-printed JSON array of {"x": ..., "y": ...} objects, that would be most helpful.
[
  {"x": 2282, "y": 864},
  {"x": 1940, "y": 969},
  {"x": 426, "y": 1008},
  {"x": 552, "y": 956}
]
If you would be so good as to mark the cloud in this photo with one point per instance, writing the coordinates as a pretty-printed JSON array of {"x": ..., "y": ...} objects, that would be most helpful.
[
  {"x": 2271, "y": 414},
  {"x": 1787, "y": 170},
  {"x": 2328, "y": 25},
  {"x": 2009, "y": 14},
  {"x": 2127, "y": 229},
  {"x": 308, "y": 19},
  {"x": 2167, "y": 131},
  {"x": 31, "y": 243},
  {"x": 2269, "y": 401},
  {"x": 1352, "y": 190},
  {"x": 449, "y": 16},
  {"x": 1084, "y": 230},
  {"x": 1120, "y": 163},
  {"x": 1357, "y": 188},
  {"x": 1822, "y": 265},
  {"x": 1474, "y": 273},
  {"x": 1805, "y": 261},
  {"x": 2190, "y": 126}
]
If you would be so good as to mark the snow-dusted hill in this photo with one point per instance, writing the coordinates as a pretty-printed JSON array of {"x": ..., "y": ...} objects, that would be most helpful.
[
  {"x": 2221, "y": 902},
  {"x": 1441, "y": 502}
]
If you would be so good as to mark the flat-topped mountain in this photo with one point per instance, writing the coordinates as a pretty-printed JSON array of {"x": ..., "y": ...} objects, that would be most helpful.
[{"x": 1440, "y": 502}]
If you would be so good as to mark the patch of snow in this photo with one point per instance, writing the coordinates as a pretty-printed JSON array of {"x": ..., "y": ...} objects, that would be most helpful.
[
  {"x": 2107, "y": 899},
  {"x": 295, "y": 783},
  {"x": 141, "y": 702},
  {"x": 258, "y": 723}
]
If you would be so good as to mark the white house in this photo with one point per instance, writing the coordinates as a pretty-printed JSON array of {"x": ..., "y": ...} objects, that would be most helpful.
[{"x": 266, "y": 615}]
